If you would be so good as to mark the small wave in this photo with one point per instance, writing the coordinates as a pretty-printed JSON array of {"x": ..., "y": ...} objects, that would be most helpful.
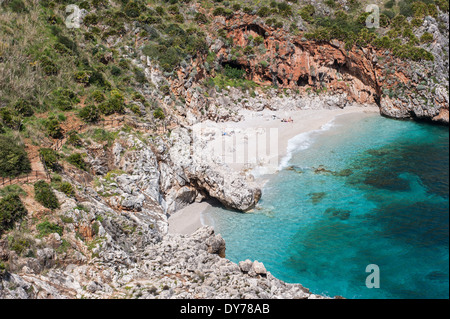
[
  {"x": 302, "y": 142},
  {"x": 206, "y": 220}
]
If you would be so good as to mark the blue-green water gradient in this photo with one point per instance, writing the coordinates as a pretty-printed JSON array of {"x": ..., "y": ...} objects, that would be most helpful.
[{"x": 367, "y": 190}]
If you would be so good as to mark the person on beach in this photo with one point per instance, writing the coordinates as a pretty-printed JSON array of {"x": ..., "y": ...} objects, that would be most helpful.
[{"x": 289, "y": 120}]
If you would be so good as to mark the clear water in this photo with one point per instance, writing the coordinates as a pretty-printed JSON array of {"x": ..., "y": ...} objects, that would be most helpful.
[{"x": 366, "y": 190}]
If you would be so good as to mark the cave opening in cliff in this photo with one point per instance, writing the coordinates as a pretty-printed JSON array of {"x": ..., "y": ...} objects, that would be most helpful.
[
  {"x": 233, "y": 64},
  {"x": 377, "y": 99},
  {"x": 277, "y": 81},
  {"x": 340, "y": 67},
  {"x": 257, "y": 29},
  {"x": 302, "y": 80},
  {"x": 233, "y": 69}
]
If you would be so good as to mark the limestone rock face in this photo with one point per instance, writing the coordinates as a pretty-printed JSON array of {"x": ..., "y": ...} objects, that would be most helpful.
[
  {"x": 170, "y": 176},
  {"x": 338, "y": 75},
  {"x": 188, "y": 167},
  {"x": 364, "y": 76}
]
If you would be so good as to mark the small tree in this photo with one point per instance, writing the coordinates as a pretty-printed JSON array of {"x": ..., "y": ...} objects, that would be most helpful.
[
  {"x": 44, "y": 194},
  {"x": 49, "y": 158},
  {"x": 11, "y": 210},
  {"x": 159, "y": 114},
  {"x": 76, "y": 159},
  {"x": 13, "y": 158},
  {"x": 89, "y": 113}
]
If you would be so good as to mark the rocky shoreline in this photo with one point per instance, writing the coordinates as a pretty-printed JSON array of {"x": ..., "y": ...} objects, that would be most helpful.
[
  {"x": 115, "y": 242},
  {"x": 110, "y": 238}
]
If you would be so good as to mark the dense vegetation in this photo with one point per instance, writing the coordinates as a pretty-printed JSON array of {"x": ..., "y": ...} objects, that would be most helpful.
[
  {"x": 13, "y": 158},
  {"x": 350, "y": 27},
  {"x": 44, "y": 194},
  {"x": 11, "y": 210}
]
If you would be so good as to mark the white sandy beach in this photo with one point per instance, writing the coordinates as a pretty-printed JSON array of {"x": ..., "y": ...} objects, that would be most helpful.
[{"x": 228, "y": 137}]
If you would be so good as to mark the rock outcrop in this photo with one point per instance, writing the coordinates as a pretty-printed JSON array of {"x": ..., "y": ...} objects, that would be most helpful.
[
  {"x": 130, "y": 259},
  {"x": 170, "y": 176}
]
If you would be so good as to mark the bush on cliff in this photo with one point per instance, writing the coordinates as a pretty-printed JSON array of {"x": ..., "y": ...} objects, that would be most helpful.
[
  {"x": 46, "y": 228},
  {"x": 89, "y": 113},
  {"x": 49, "y": 158},
  {"x": 44, "y": 194},
  {"x": 76, "y": 159},
  {"x": 11, "y": 210},
  {"x": 13, "y": 158}
]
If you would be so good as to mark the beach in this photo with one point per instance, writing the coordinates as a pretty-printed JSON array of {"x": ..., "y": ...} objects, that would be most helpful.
[{"x": 261, "y": 159}]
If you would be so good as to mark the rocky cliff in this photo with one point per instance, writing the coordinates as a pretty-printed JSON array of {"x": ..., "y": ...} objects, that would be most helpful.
[
  {"x": 114, "y": 241},
  {"x": 175, "y": 66},
  {"x": 364, "y": 75}
]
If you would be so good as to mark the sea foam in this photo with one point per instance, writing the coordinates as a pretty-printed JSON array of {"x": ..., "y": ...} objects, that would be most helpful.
[{"x": 302, "y": 142}]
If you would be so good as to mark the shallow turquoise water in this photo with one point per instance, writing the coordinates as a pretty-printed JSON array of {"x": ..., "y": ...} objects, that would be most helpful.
[{"x": 367, "y": 190}]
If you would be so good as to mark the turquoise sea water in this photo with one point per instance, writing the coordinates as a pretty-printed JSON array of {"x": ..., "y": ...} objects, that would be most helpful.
[{"x": 366, "y": 190}]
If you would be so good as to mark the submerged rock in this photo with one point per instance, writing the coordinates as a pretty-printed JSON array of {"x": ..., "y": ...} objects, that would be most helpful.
[
  {"x": 342, "y": 214},
  {"x": 317, "y": 197}
]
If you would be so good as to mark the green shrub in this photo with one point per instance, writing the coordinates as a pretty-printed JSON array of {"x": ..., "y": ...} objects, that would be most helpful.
[
  {"x": 416, "y": 22},
  {"x": 233, "y": 73},
  {"x": 98, "y": 96},
  {"x": 44, "y": 194},
  {"x": 64, "y": 99},
  {"x": 74, "y": 139},
  {"x": 286, "y": 10},
  {"x": 116, "y": 71},
  {"x": 220, "y": 11},
  {"x": 389, "y": 4},
  {"x": 67, "y": 189},
  {"x": 225, "y": 12},
  {"x": 173, "y": 9},
  {"x": 76, "y": 159},
  {"x": 420, "y": 9},
  {"x": 427, "y": 37},
  {"x": 13, "y": 158},
  {"x": 67, "y": 42},
  {"x": 46, "y": 228},
  {"x": 24, "y": 107},
  {"x": 101, "y": 135},
  {"x": 259, "y": 40},
  {"x": 247, "y": 10},
  {"x": 18, "y": 6},
  {"x": 406, "y": 8},
  {"x": 159, "y": 114},
  {"x": 165, "y": 89},
  {"x": 12, "y": 189},
  {"x": 115, "y": 104},
  {"x": 132, "y": 9},
  {"x": 443, "y": 5},
  {"x": 89, "y": 113},
  {"x": 307, "y": 12},
  {"x": 200, "y": 18},
  {"x": 263, "y": 12},
  {"x": 19, "y": 243},
  {"x": 90, "y": 19},
  {"x": 10, "y": 119},
  {"x": 49, "y": 158},
  {"x": 98, "y": 79},
  {"x": 11, "y": 211},
  {"x": 81, "y": 77},
  {"x": 48, "y": 66},
  {"x": 54, "y": 128},
  {"x": 140, "y": 76}
]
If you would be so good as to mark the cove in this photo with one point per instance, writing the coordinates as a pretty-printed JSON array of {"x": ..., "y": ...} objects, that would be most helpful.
[{"x": 367, "y": 190}]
